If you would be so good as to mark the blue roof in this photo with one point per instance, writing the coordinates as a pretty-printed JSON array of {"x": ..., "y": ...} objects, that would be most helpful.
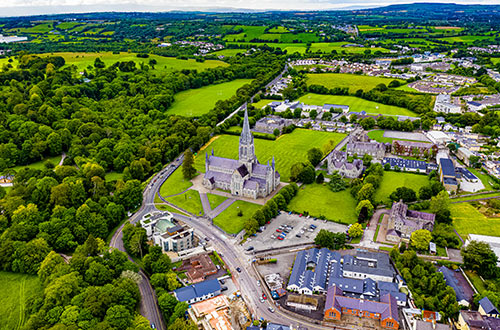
[
  {"x": 274, "y": 326},
  {"x": 197, "y": 290},
  {"x": 488, "y": 306},
  {"x": 466, "y": 173},
  {"x": 348, "y": 284},
  {"x": 452, "y": 281},
  {"x": 335, "y": 106},
  {"x": 474, "y": 103},
  {"x": 451, "y": 181},
  {"x": 447, "y": 167},
  {"x": 388, "y": 286},
  {"x": 405, "y": 163},
  {"x": 400, "y": 296}
]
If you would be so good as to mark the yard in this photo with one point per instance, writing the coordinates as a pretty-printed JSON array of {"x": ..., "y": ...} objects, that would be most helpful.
[
  {"x": 468, "y": 220},
  {"x": 353, "y": 81},
  {"x": 287, "y": 149},
  {"x": 189, "y": 201},
  {"x": 319, "y": 200},
  {"x": 356, "y": 104},
  {"x": 187, "y": 103},
  {"x": 393, "y": 180},
  {"x": 17, "y": 291},
  {"x": 230, "y": 222}
]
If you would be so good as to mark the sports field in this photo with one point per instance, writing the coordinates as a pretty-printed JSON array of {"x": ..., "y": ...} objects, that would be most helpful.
[
  {"x": 164, "y": 64},
  {"x": 356, "y": 104},
  {"x": 353, "y": 81},
  {"x": 318, "y": 200},
  {"x": 15, "y": 293},
  {"x": 196, "y": 102},
  {"x": 393, "y": 180},
  {"x": 287, "y": 149},
  {"x": 468, "y": 220},
  {"x": 230, "y": 222}
]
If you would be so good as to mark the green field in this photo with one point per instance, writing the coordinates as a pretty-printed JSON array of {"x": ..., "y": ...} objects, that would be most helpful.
[
  {"x": 230, "y": 222},
  {"x": 278, "y": 29},
  {"x": 39, "y": 28},
  {"x": 215, "y": 200},
  {"x": 393, "y": 180},
  {"x": 249, "y": 33},
  {"x": 262, "y": 103},
  {"x": 15, "y": 293},
  {"x": 67, "y": 25},
  {"x": 165, "y": 64},
  {"x": 466, "y": 39},
  {"x": 196, "y": 102},
  {"x": 468, "y": 220},
  {"x": 112, "y": 176},
  {"x": 318, "y": 200},
  {"x": 39, "y": 165},
  {"x": 189, "y": 201},
  {"x": 229, "y": 52},
  {"x": 287, "y": 149},
  {"x": 353, "y": 81},
  {"x": 175, "y": 184},
  {"x": 356, "y": 104},
  {"x": 485, "y": 179},
  {"x": 378, "y": 135},
  {"x": 328, "y": 47}
]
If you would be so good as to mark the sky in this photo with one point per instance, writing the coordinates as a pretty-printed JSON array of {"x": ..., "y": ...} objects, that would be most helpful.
[{"x": 35, "y": 7}]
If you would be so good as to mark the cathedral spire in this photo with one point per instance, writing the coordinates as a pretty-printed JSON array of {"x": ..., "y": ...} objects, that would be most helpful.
[
  {"x": 246, "y": 135},
  {"x": 246, "y": 150}
]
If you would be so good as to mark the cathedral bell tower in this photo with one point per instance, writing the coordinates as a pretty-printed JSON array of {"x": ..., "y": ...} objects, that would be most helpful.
[{"x": 247, "y": 150}]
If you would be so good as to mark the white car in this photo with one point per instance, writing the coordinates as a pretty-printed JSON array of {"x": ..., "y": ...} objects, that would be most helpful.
[
  {"x": 261, "y": 299},
  {"x": 258, "y": 283}
]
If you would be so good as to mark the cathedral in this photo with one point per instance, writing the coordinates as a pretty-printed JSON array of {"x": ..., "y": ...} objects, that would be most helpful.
[{"x": 243, "y": 177}]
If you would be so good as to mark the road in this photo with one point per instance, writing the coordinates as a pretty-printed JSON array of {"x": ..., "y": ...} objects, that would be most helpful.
[{"x": 149, "y": 305}]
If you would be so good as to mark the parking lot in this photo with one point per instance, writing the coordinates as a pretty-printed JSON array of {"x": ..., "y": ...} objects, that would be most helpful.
[{"x": 299, "y": 232}]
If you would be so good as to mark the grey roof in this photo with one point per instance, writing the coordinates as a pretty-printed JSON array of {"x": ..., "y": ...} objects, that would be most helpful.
[
  {"x": 388, "y": 286},
  {"x": 226, "y": 163},
  {"x": 274, "y": 326},
  {"x": 348, "y": 284},
  {"x": 423, "y": 325},
  {"x": 466, "y": 173},
  {"x": 259, "y": 169},
  {"x": 451, "y": 280},
  {"x": 447, "y": 167},
  {"x": 399, "y": 296},
  {"x": 250, "y": 184},
  {"x": 243, "y": 171},
  {"x": 369, "y": 263},
  {"x": 218, "y": 176},
  {"x": 197, "y": 290},
  {"x": 488, "y": 306}
]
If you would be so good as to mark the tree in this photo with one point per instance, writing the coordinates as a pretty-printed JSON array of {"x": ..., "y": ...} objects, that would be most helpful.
[
  {"x": 425, "y": 193},
  {"x": 356, "y": 230},
  {"x": 479, "y": 257},
  {"x": 366, "y": 192},
  {"x": 364, "y": 210},
  {"x": 188, "y": 170},
  {"x": 333, "y": 241},
  {"x": 313, "y": 114},
  {"x": 314, "y": 155},
  {"x": 320, "y": 178},
  {"x": 119, "y": 317},
  {"x": 420, "y": 239},
  {"x": 251, "y": 225},
  {"x": 440, "y": 202},
  {"x": 167, "y": 304},
  {"x": 403, "y": 193},
  {"x": 276, "y": 132}
]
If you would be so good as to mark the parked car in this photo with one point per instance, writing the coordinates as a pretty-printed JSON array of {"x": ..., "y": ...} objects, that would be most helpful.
[
  {"x": 224, "y": 288},
  {"x": 258, "y": 282},
  {"x": 261, "y": 300},
  {"x": 153, "y": 326},
  {"x": 238, "y": 269},
  {"x": 250, "y": 248},
  {"x": 278, "y": 230},
  {"x": 273, "y": 236},
  {"x": 280, "y": 238},
  {"x": 222, "y": 281},
  {"x": 264, "y": 296},
  {"x": 298, "y": 236}
]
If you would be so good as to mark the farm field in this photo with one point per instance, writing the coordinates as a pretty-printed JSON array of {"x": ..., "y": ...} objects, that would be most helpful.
[
  {"x": 328, "y": 47},
  {"x": 215, "y": 200},
  {"x": 353, "y": 81},
  {"x": 174, "y": 184},
  {"x": 15, "y": 292},
  {"x": 187, "y": 103},
  {"x": 165, "y": 64},
  {"x": 466, "y": 39},
  {"x": 249, "y": 33},
  {"x": 468, "y": 220},
  {"x": 229, "y": 52},
  {"x": 356, "y": 104},
  {"x": 287, "y": 149},
  {"x": 319, "y": 200},
  {"x": 289, "y": 47},
  {"x": 278, "y": 29},
  {"x": 39, "y": 165},
  {"x": 392, "y": 180},
  {"x": 39, "y": 28},
  {"x": 189, "y": 201},
  {"x": 230, "y": 222}
]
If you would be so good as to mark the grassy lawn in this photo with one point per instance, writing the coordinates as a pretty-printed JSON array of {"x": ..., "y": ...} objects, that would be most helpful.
[
  {"x": 405, "y": 88},
  {"x": 476, "y": 280},
  {"x": 215, "y": 200},
  {"x": 353, "y": 81},
  {"x": 287, "y": 149},
  {"x": 17, "y": 290},
  {"x": 39, "y": 165},
  {"x": 112, "y": 176},
  {"x": 174, "y": 184},
  {"x": 356, "y": 104},
  {"x": 468, "y": 220},
  {"x": 165, "y": 64},
  {"x": 262, "y": 103},
  {"x": 229, "y": 52},
  {"x": 230, "y": 222},
  {"x": 459, "y": 199},
  {"x": 393, "y": 180},
  {"x": 378, "y": 135},
  {"x": 189, "y": 201},
  {"x": 187, "y": 103},
  {"x": 318, "y": 199},
  {"x": 485, "y": 179}
]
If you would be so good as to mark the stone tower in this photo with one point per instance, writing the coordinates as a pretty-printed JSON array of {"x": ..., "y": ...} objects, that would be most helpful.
[{"x": 246, "y": 150}]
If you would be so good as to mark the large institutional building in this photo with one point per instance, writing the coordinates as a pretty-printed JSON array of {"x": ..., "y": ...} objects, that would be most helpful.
[{"x": 245, "y": 176}]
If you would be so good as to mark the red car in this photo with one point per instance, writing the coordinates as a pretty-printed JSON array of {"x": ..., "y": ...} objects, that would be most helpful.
[
  {"x": 300, "y": 215},
  {"x": 264, "y": 296},
  {"x": 278, "y": 230},
  {"x": 280, "y": 238}
]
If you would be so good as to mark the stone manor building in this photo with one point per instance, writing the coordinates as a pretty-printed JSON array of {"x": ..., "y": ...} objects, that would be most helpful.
[{"x": 245, "y": 176}]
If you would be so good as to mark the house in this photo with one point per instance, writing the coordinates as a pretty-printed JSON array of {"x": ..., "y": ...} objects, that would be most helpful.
[
  {"x": 487, "y": 308},
  {"x": 412, "y": 148},
  {"x": 270, "y": 123},
  {"x": 473, "y": 320},
  {"x": 337, "y": 162},
  {"x": 492, "y": 241},
  {"x": 447, "y": 174},
  {"x": 198, "y": 291},
  {"x": 198, "y": 268},
  {"x": 244, "y": 176},
  {"x": 403, "y": 222},
  {"x": 423, "y": 325},
  {"x": 464, "y": 155},
  {"x": 452, "y": 280},
  {"x": 212, "y": 314},
  {"x": 368, "y": 265},
  {"x": 168, "y": 233},
  {"x": 386, "y": 310},
  {"x": 360, "y": 144}
]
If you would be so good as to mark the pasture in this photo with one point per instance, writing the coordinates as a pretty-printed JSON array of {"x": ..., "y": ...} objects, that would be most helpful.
[
  {"x": 356, "y": 104},
  {"x": 328, "y": 47},
  {"x": 353, "y": 81},
  {"x": 287, "y": 149},
  {"x": 466, "y": 39},
  {"x": 16, "y": 291},
  {"x": 393, "y": 180},
  {"x": 468, "y": 220},
  {"x": 249, "y": 33},
  {"x": 230, "y": 222},
  {"x": 319, "y": 200},
  {"x": 196, "y": 102}
]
